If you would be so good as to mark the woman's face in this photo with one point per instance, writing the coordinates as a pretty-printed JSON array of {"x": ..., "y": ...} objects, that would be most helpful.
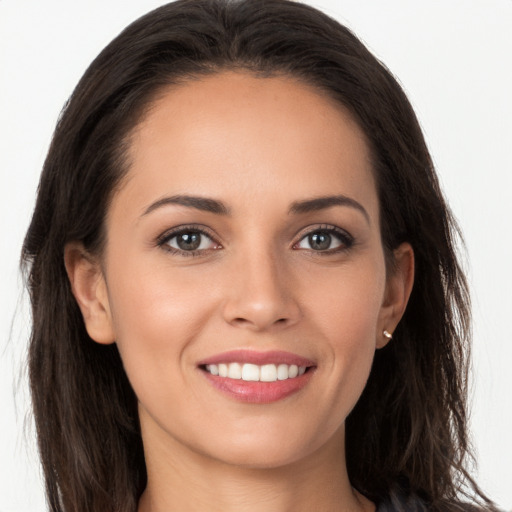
[{"x": 245, "y": 241}]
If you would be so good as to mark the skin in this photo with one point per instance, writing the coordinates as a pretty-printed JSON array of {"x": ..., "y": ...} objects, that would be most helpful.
[{"x": 258, "y": 145}]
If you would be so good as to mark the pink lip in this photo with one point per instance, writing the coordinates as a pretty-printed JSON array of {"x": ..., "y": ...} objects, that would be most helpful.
[
  {"x": 259, "y": 358},
  {"x": 258, "y": 392}
]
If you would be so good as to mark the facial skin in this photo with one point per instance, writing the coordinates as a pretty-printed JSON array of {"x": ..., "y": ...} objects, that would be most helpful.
[{"x": 259, "y": 147}]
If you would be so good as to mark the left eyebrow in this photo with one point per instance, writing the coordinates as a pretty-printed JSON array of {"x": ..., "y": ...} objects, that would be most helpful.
[
  {"x": 199, "y": 203},
  {"x": 321, "y": 203}
]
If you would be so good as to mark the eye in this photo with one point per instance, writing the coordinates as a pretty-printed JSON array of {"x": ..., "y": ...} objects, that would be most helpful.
[
  {"x": 188, "y": 240},
  {"x": 329, "y": 239}
]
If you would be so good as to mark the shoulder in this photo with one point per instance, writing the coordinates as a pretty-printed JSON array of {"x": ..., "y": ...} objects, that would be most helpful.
[{"x": 400, "y": 503}]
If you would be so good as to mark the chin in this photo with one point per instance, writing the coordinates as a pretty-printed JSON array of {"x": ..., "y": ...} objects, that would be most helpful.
[
  {"x": 259, "y": 458},
  {"x": 269, "y": 451}
]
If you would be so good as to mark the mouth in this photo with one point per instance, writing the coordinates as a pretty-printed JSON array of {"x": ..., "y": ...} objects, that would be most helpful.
[
  {"x": 254, "y": 373},
  {"x": 255, "y": 377}
]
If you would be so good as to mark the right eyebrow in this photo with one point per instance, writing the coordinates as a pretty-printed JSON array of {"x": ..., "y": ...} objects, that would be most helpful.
[
  {"x": 323, "y": 202},
  {"x": 200, "y": 203}
]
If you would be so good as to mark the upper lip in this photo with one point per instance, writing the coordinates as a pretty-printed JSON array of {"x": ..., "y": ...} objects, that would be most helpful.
[{"x": 258, "y": 358}]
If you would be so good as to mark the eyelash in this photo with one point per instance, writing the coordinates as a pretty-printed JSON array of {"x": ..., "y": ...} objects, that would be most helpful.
[
  {"x": 346, "y": 240},
  {"x": 164, "y": 239}
]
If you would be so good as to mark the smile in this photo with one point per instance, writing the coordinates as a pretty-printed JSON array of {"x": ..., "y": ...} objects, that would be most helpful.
[
  {"x": 258, "y": 377},
  {"x": 254, "y": 373}
]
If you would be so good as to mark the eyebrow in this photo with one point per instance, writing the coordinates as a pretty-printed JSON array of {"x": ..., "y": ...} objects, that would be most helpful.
[
  {"x": 219, "y": 208},
  {"x": 199, "y": 203},
  {"x": 321, "y": 203}
]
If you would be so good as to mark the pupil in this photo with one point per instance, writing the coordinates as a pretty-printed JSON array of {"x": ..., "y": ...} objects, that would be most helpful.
[
  {"x": 189, "y": 241},
  {"x": 320, "y": 241}
]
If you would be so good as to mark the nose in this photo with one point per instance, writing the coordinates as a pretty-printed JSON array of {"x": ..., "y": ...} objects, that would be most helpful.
[{"x": 261, "y": 295}]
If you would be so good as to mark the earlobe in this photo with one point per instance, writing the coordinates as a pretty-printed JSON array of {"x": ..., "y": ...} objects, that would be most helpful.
[
  {"x": 90, "y": 290},
  {"x": 398, "y": 290}
]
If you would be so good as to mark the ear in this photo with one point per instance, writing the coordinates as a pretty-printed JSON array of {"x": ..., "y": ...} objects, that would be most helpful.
[
  {"x": 90, "y": 291},
  {"x": 399, "y": 284}
]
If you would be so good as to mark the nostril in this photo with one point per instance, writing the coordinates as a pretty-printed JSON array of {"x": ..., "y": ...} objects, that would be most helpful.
[
  {"x": 259, "y": 323},
  {"x": 240, "y": 321}
]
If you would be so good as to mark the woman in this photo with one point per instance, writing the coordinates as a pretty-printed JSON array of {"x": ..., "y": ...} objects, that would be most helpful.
[{"x": 236, "y": 203}]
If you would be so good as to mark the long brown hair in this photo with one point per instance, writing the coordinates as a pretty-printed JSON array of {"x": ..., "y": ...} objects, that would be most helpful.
[{"x": 408, "y": 433}]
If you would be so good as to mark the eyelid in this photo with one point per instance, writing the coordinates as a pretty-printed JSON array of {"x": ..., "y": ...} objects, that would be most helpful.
[
  {"x": 163, "y": 239},
  {"x": 347, "y": 239}
]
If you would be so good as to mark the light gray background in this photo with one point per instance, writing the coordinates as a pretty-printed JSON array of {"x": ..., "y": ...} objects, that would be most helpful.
[{"x": 454, "y": 59}]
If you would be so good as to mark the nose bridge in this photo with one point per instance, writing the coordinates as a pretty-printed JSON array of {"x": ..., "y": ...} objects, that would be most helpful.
[{"x": 261, "y": 292}]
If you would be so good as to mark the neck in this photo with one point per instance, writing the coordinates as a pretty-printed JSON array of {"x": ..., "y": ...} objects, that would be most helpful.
[{"x": 180, "y": 479}]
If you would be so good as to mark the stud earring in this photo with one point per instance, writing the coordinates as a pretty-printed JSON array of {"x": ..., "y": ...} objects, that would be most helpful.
[{"x": 387, "y": 334}]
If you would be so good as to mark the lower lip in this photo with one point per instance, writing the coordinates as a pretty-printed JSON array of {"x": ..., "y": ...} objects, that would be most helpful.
[{"x": 259, "y": 392}]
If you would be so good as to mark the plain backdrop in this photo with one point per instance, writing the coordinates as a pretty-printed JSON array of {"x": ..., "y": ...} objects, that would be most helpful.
[{"x": 454, "y": 59}]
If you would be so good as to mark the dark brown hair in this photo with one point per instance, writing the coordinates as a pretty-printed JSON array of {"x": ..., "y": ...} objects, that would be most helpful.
[{"x": 408, "y": 434}]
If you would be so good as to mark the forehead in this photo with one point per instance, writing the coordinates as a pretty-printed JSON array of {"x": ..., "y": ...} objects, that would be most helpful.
[{"x": 235, "y": 132}]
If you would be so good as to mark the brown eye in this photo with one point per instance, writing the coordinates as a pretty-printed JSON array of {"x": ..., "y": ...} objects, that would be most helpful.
[{"x": 189, "y": 240}]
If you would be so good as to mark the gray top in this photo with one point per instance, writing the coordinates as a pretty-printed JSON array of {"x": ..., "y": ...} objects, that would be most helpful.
[
  {"x": 401, "y": 504},
  {"x": 397, "y": 503}
]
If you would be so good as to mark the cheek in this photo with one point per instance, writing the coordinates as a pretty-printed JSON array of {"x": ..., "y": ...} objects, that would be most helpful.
[
  {"x": 346, "y": 303},
  {"x": 155, "y": 302},
  {"x": 155, "y": 319},
  {"x": 345, "y": 310}
]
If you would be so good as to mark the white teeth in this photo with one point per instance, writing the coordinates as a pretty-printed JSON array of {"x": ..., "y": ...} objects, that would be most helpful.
[
  {"x": 268, "y": 373},
  {"x": 235, "y": 371},
  {"x": 293, "y": 371},
  {"x": 251, "y": 372},
  {"x": 282, "y": 372},
  {"x": 254, "y": 373}
]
